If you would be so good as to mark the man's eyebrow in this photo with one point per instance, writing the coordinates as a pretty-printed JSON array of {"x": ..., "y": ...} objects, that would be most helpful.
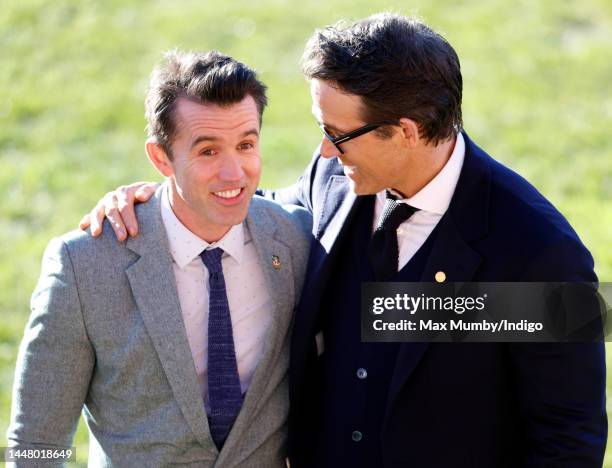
[
  {"x": 202, "y": 138},
  {"x": 329, "y": 127},
  {"x": 332, "y": 128},
  {"x": 252, "y": 131}
]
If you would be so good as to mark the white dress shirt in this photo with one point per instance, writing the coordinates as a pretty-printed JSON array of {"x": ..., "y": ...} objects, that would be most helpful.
[
  {"x": 432, "y": 201},
  {"x": 247, "y": 294}
]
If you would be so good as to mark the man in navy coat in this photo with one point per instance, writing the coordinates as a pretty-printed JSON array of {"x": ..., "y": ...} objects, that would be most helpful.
[{"x": 386, "y": 92}]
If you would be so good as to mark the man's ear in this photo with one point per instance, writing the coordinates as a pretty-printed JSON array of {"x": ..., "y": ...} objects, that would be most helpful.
[
  {"x": 159, "y": 158},
  {"x": 410, "y": 131}
]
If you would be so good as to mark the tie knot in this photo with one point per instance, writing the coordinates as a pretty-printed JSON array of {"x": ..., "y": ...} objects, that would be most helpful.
[
  {"x": 394, "y": 214},
  {"x": 212, "y": 259}
]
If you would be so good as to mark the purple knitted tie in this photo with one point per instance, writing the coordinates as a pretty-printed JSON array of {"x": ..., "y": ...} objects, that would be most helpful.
[{"x": 224, "y": 391}]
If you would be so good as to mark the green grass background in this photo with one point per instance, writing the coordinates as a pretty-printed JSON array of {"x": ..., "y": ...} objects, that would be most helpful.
[{"x": 537, "y": 96}]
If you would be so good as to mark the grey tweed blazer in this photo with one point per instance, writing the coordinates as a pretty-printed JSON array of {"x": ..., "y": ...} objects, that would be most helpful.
[{"x": 106, "y": 336}]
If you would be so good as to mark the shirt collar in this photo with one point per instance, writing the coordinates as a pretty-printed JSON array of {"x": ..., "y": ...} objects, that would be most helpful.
[
  {"x": 435, "y": 197},
  {"x": 185, "y": 245}
]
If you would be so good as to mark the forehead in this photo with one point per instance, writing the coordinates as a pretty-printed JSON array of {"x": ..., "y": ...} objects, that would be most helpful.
[
  {"x": 194, "y": 118},
  {"x": 333, "y": 107}
]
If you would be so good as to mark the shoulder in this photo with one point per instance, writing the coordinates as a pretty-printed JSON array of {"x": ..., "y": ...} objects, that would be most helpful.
[
  {"x": 105, "y": 248},
  {"x": 74, "y": 269},
  {"x": 513, "y": 202},
  {"x": 85, "y": 253},
  {"x": 527, "y": 228},
  {"x": 79, "y": 242},
  {"x": 517, "y": 204},
  {"x": 292, "y": 218}
]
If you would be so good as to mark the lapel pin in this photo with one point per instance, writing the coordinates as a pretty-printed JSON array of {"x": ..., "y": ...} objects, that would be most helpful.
[
  {"x": 440, "y": 277},
  {"x": 276, "y": 263}
]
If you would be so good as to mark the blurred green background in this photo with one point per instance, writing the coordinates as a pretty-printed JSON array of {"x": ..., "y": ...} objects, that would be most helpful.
[{"x": 537, "y": 96}]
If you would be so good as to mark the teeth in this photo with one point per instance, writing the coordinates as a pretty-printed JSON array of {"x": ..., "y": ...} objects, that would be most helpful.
[{"x": 228, "y": 193}]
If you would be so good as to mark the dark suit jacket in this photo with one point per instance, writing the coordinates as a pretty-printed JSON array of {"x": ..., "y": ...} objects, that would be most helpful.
[{"x": 468, "y": 404}]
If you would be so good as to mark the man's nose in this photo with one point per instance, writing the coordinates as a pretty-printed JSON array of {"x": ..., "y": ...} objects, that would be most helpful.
[
  {"x": 328, "y": 150},
  {"x": 231, "y": 168}
]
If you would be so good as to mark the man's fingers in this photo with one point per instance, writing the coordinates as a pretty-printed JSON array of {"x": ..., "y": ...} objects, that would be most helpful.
[
  {"x": 96, "y": 216},
  {"x": 84, "y": 223},
  {"x": 125, "y": 205},
  {"x": 118, "y": 207},
  {"x": 145, "y": 191},
  {"x": 111, "y": 211},
  {"x": 127, "y": 197}
]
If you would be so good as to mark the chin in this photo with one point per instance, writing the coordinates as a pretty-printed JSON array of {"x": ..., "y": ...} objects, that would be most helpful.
[
  {"x": 361, "y": 189},
  {"x": 236, "y": 218}
]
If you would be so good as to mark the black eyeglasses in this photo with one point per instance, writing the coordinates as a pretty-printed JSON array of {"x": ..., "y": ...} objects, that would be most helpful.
[{"x": 338, "y": 140}]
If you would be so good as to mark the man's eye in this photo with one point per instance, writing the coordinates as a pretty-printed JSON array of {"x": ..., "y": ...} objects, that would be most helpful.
[
  {"x": 207, "y": 152},
  {"x": 246, "y": 146},
  {"x": 331, "y": 133}
]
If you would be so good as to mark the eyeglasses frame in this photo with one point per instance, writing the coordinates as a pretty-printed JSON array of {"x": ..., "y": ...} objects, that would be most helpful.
[{"x": 337, "y": 141}]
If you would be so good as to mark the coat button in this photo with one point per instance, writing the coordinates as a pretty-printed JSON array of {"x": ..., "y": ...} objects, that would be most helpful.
[
  {"x": 357, "y": 436},
  {"x": 362, "y": 373},
  {"x": 440, "y": 277}
]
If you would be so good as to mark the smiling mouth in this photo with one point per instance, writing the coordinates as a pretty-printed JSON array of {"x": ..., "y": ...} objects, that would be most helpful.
[
  {"x": 230, "y": 197},
  {"x": 227, "y": 194}
]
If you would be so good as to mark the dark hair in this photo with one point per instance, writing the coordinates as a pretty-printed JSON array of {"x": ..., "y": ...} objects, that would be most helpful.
[
  {"x": 397, "y": 65},
  {"x": 206, "y": 77}
]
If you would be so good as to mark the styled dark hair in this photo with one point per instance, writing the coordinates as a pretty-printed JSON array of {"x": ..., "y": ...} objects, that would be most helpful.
[
  {"x": 206, "y": 77},
  {"x": 398, "y": 66}
]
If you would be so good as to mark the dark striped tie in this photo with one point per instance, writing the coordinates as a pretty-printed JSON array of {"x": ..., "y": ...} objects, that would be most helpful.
[
  {"x": 225, "y": 395},
  {"x": 383, "y": 251}
]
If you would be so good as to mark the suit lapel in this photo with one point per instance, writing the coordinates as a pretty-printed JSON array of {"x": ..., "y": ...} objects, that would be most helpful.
[
  {"x": 339, "y": 206},
  {"x": 270, "y": 250},
  {"x": 337, "y": 202},
  {"x": 152, "y": 281},
  {"x": 451, "y": 255}
]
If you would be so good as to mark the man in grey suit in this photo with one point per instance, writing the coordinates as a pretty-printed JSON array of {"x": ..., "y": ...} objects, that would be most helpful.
[{"x": 175, "y": 343}]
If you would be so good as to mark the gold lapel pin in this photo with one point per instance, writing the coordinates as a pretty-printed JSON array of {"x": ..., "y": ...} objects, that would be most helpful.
[
  {"x": 440, "y": 277},
  {"x": 276, "y": 263}
]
